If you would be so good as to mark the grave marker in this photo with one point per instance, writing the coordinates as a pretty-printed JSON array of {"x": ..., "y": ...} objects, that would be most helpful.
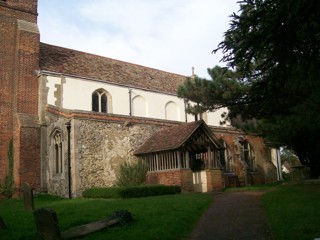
[
  {"x": 47, "y": 224},
  {"x": 48, "y": 227},
  {"x": 28, "y": 196}
]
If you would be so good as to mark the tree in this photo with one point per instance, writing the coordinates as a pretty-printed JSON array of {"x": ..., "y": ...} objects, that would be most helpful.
[{"x": 273, "y": 49}]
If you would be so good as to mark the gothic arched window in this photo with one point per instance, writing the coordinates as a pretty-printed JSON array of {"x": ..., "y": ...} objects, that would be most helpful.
[
  {"x": 247, "y": 155},
  {"x": 226, "y": 159},
  {"x": 58, "y": 153},
  {"x": 101, "y": 101}
]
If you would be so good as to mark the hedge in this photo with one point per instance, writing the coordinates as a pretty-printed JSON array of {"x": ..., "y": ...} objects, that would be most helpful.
[
  {"x": 131, "y": 192},
  {"x": 112, "y": 192}
]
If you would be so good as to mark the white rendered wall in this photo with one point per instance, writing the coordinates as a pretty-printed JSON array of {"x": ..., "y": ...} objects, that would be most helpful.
[
  {"x": 77, "y": 94},
  {"x": 51, "y": 85}
]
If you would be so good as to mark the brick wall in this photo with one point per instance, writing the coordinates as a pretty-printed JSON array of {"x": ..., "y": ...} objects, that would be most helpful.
[
  {"x": 265, "y": 170},
  {"x": 181, "y": 178},
  {"x": 214, "y": 180},
  {"x": 19, "y": 50}
]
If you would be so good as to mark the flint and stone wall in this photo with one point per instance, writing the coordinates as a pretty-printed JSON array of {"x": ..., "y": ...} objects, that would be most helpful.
[
  {"x": 102, "y": 147},
  {"x": 99, "y": 144}
]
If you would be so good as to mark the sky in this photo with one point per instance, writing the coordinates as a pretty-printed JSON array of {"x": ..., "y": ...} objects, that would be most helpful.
[{"x": 170, "y": 35}]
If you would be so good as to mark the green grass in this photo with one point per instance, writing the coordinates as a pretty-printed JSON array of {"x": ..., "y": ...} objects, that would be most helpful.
[
  {"x": 253, "y": 188},
  {"x": 293, "y": 211},
  {"x": 161, "y": 217}
]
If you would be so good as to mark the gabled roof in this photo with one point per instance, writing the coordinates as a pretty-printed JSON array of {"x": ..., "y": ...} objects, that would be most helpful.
[
  {"x": 84, "y": 65},
  {"x": 175, "y": 137}
]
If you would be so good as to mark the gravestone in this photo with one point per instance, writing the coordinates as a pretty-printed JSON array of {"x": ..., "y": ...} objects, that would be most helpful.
[
  {"x": 47, "y": 224},
  {"x": 28, "y": 196},
  {"x": 2, "y": 224}
]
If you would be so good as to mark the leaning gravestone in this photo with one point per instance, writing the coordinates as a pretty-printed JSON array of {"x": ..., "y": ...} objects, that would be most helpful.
[
  {"x": 47, "y": 224},
  {"x": 28, "y": 196}
]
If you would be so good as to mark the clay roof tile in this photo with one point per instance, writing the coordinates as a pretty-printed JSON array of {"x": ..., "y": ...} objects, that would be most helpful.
[{"x": 84, "y": 65}]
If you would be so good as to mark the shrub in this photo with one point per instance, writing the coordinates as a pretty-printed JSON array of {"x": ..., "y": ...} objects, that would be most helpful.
[
  {"x": 131, "y": 174},
  {"x": 148, "y": 190}
]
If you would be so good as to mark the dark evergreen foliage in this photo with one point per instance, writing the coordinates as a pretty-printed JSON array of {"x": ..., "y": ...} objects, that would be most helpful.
[{"x": 273, "y": 49}]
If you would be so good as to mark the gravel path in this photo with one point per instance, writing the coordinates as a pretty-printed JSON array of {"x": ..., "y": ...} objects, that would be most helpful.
[{"x": 234, "y": 216}]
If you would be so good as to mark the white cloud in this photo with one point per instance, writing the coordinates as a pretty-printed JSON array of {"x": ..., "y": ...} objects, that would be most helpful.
[{"x": 171, "y": 35}]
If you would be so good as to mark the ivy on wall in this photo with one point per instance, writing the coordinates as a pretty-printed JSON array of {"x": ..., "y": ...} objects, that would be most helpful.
[{"x": 7, "y": 187}]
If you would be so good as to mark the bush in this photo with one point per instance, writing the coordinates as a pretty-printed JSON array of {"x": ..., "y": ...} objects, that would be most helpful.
[
  {"x": 148, "y": 190},
  {"x": 112, "y": 192},
  {"x": 131, "y": 174},
  {"x": 131, "y": 192}
]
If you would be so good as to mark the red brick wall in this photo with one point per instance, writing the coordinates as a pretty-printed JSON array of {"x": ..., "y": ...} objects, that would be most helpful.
[
  {"x": 29, "y": 6},
  {"x": 181, "y": 178},
  {"x": 19, "y": 51},
  {"x": 265, "y": 170},
  {"x": 214, "y": 180}
]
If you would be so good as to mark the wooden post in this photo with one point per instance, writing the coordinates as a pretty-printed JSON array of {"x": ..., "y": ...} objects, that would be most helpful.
[
  {"x": 179, "y": 159},
  {"x": 187, "y": 160},
  {"x": 157, "y": 162},
  {"x": 209, "y": 158}
]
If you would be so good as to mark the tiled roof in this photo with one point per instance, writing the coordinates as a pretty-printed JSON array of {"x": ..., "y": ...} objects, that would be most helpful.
[
  {"x": 84, "y": 65},
  {"x": 171, "y": 138}
]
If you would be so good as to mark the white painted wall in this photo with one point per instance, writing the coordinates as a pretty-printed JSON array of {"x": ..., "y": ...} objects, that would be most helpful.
[
  {"x": 172, "y": 111},
  {"x": 77, "y": 94}
]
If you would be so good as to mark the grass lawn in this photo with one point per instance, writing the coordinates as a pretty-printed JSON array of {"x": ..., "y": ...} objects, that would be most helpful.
[
  {"x": 293, "y": 211},
  {"x": 161, "y": 217},
  {"x": 253, "y": 188}
]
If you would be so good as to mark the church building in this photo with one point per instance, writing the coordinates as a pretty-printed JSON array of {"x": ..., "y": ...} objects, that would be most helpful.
[{"x": 74, "y": 117}]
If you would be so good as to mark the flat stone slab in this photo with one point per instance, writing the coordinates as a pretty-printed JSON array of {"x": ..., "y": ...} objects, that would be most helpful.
[{"x": 83, "y": 230}]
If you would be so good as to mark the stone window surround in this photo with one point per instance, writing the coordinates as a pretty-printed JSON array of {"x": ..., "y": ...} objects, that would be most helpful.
[{"x": 102, "y": 107}]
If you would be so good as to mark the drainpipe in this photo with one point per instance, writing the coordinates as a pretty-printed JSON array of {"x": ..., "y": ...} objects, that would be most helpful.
[
  {"x": 185, "y": 113},
  {"x": 68, "y": 125},
  {"x": 130, "y": 92}
]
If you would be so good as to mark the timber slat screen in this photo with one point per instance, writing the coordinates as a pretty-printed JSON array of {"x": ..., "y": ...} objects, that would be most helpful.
[{"x": 174, "y": 160}]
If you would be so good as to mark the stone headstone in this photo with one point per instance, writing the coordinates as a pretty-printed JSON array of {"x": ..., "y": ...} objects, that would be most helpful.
[
  {"x": 47, "y": 224},
  {"x": 28, "y": 196},
  {"x": 2, "y": 224}
]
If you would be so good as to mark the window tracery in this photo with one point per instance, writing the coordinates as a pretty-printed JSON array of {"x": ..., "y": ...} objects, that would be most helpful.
[{"x": 101, "y": 101}]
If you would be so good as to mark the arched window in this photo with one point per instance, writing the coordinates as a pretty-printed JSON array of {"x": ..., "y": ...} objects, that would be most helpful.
[
  {"x": 171, "y": 111},
  {"x": 101, "y": 101},
  {"x": 247, "y": 155},
  {"x": 58, "y": 152},
  {"x": 226, "y": 159}
]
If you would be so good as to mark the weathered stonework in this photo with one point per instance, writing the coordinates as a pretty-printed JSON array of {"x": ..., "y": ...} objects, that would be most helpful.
[
  {"x": 99, "y": 144},
  {"x": 102, "y": 147}
]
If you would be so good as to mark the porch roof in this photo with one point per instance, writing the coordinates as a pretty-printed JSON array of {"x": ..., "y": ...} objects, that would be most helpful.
[{"x": 175, "y": 137}]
